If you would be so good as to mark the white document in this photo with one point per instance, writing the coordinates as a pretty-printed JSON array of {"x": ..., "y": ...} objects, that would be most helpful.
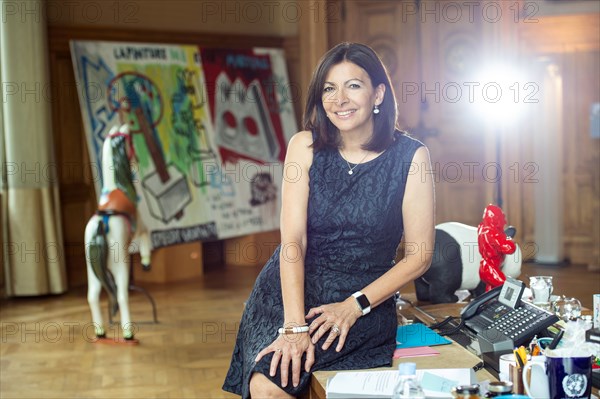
[
  {"x": 380, "y": 384},
  {"x": 437, "y": 383},
  {"x": 362, "y": 384}
]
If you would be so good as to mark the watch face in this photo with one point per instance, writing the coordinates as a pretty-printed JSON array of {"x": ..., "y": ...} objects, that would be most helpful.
[{"x": 363, "y": 301}]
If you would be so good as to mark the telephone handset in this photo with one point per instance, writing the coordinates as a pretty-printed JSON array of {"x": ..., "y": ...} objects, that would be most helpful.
[
  {"x": 471, "y": 309},
  {"x": 509, "y": 294},
  {"x": 499, "y": 315}
]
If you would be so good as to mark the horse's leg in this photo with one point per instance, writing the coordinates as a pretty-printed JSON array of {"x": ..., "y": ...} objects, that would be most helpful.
[
  {"x": 94, "y": 285},
  {"x": 118, "y": 261},
  {"x": 144, "y": 241}
]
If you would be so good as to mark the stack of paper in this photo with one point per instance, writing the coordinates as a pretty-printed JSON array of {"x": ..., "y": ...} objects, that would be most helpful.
[
  {"x": 417, "y": 351},
  {"x": 436, "y": 383},
  {"x": 362, "y": 384}
]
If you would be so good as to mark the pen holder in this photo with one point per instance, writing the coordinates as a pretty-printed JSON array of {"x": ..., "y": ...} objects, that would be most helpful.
[{"x": 516, "y": 377}]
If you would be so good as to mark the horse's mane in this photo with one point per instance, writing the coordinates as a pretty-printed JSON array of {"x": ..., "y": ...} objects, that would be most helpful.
[{"x": 122, "y": 168}]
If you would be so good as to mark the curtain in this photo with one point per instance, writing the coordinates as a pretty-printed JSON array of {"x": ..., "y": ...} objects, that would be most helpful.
[{"x": 32, "y": 250}]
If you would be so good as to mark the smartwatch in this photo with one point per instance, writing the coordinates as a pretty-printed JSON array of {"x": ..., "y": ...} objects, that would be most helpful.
[{"x": 363, "y": 302}]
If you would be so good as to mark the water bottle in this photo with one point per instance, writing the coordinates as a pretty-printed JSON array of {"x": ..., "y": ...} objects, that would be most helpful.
[
  {"x": 402, "y": 309},
  {"x": 408, "y": 386}
]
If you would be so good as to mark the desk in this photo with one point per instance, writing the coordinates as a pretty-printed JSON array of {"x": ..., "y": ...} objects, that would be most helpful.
[{"x": 451, "y": 356}]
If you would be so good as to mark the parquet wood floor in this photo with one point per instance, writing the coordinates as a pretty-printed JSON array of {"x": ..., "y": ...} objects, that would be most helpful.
[{"x": 46, "y": 347}]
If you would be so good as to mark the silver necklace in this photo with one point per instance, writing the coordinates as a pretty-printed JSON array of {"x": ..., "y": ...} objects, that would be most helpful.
[{"x": 351, "y": 168}]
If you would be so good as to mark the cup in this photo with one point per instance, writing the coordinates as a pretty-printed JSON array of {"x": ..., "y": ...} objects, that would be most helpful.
[
  {"x": 541, "y": 289},
  {"x": 565, "y": 376},
  {"x": 504, "y": 364},
  {"x": 536, "y": 383},
  {"x": 567, "y": 308}
]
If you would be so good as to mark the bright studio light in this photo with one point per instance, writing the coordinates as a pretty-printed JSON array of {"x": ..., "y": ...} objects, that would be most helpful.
[{"x": 502, "y": 93}]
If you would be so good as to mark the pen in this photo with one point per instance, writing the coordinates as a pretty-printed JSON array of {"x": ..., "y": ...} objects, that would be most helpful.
[
  {"x": 518, "y": 358},
  {"x": 556, "y": 340},
  {"x": 523, "y": 354}
]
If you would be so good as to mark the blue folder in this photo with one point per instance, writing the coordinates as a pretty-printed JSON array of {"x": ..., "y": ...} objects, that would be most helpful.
[{"x": 418, "y": 334}]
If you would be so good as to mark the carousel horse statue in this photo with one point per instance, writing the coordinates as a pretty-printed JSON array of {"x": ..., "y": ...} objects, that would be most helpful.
[{"x": 109, "y": 232}]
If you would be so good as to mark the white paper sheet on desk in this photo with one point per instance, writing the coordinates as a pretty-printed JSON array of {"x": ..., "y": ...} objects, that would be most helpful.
[
  {"x": 362, "y": 384},
  {"x": 380, "y": 384},
  {"x": 437, "y": 383}
]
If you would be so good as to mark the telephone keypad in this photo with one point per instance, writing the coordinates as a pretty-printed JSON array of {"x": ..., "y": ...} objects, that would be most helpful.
[
  {"x": 518, "y": 321},
  {"x": 517, "y": 324}
]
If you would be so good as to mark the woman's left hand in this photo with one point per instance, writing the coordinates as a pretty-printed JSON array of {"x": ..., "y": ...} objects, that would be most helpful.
[{"x": 335, "y": 318}]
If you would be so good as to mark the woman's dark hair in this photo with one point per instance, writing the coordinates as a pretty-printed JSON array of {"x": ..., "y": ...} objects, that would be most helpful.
[{"x": 315, "y": 118}]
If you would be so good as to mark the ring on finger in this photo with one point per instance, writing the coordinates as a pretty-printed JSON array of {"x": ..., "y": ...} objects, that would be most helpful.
[
  {"x": 335, "y": 329},
  {"x": 278, "y": 350}
]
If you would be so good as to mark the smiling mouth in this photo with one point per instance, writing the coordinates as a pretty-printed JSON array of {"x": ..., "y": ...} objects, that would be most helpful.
[{"x": 345, "y": 113}]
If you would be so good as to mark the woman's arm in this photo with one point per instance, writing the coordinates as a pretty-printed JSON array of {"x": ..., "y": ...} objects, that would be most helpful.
[
  {"x": 418, "y": 212},
  {"x": 289, "y": 349},
  {"x": 294, "y": 205}
]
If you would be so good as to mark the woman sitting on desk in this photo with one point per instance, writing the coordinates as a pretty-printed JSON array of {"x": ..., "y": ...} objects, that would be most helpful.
[{"x": 323, "y": 300}]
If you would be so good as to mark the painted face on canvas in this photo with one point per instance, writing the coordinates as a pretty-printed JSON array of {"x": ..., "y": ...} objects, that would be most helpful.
[{"x": 349, "y": 97}]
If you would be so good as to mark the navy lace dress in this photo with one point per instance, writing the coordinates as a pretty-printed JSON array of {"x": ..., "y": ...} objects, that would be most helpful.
[{"x": 354, "y": 227}]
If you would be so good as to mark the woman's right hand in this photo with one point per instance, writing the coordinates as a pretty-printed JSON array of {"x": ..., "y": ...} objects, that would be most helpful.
[{"x": 289, "y": 348}]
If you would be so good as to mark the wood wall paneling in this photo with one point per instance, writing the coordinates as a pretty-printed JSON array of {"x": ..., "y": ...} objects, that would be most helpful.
[
  {"x": 210, "y": 17},
  {"x": 446, "y": 53},
  {"x": 76, "y": 172},
  {"x": 450, "y": 53},
  {"x": 337, "y": 23},
  {"x": 557, "y": 34},
  {"x": 387, "y": 28},
  {"x": 312, "y": 41},
  {"x": 581, "y": 88},
  {"x": 572, "y": 42}
]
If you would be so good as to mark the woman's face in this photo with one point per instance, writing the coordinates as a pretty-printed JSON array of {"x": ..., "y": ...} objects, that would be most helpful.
[{"x": 349, "y": 97}]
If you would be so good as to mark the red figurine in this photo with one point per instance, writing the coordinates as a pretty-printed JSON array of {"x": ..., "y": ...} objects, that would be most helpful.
[{"x": 494, "y": 245}]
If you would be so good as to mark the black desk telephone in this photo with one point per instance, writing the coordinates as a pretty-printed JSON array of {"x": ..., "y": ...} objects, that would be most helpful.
[{"x": 502, "y": 321}]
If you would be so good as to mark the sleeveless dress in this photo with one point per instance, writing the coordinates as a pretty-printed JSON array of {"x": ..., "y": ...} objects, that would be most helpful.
[{"x": 354, "y": 227}]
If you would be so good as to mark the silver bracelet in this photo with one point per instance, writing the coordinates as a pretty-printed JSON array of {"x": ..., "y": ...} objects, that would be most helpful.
[{"x": 293, "y": 330}]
